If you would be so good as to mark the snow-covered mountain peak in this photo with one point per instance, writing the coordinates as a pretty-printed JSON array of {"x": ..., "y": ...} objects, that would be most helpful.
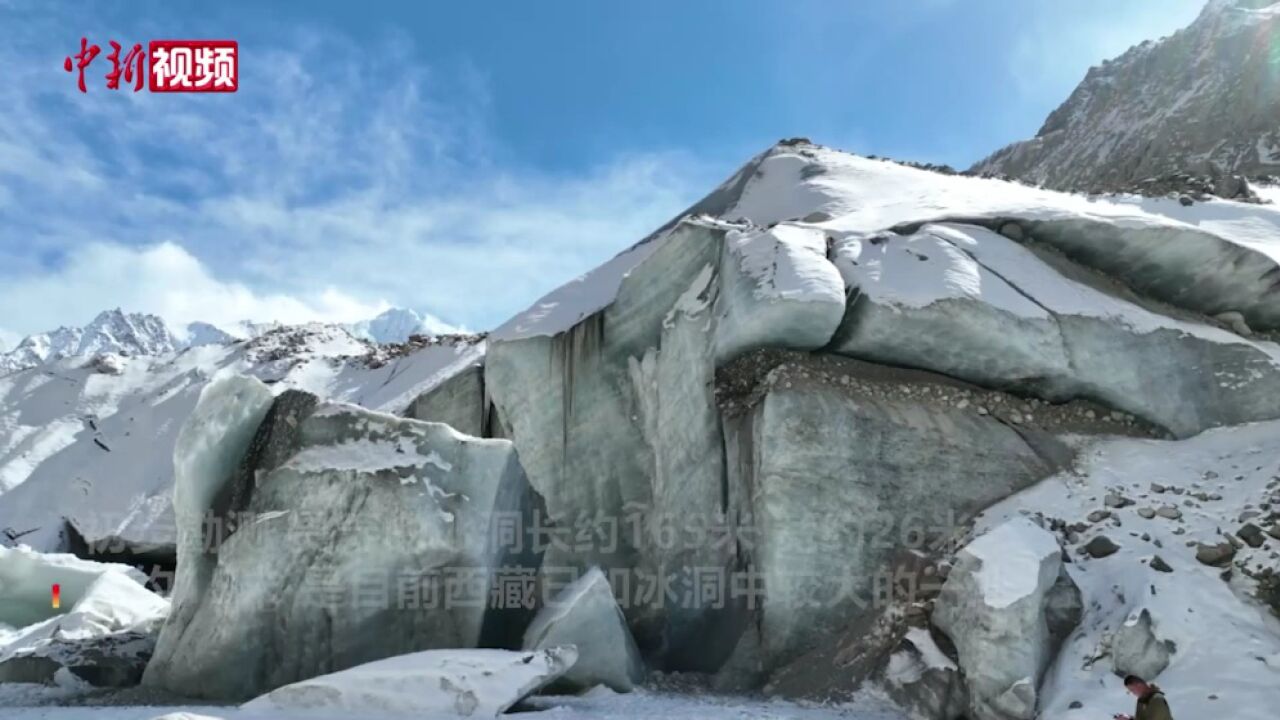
[
  {"x": 131, "y": 334},
  {"x": 397, "y": 325},
  {"x": 114, "y": 331},
  {"x": 35, "y": 349}
]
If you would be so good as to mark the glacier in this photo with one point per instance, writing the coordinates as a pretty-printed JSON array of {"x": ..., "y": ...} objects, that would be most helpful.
[{"x": 830, "y": 368}]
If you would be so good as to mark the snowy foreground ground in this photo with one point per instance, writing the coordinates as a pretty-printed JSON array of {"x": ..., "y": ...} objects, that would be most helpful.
[
  {"x": 599, "y": 705},
  {"x": 1228, "y": 645}
]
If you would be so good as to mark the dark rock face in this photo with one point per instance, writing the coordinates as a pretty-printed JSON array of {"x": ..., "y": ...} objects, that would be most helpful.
[
  {"x": 1191, "y": 114},
  {"x": 276, "y": 439}
]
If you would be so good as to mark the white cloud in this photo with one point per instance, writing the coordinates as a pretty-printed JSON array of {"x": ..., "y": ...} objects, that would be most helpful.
[{"x": 163, "y": 279}]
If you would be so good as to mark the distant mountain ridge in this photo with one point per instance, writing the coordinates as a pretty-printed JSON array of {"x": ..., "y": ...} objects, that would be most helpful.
[
  {"x": 133, "y": 334},
  {"x": 398, "y": 325},
  {"x": 112, "y": 331},
  {"x": 1203, "y": 102}
]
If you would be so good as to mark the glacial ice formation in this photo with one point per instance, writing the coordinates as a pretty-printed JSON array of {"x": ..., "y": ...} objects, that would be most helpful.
[{"x": 334, "y": 535}]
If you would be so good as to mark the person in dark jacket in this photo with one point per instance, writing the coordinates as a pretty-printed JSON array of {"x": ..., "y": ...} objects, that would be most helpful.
[{"x": 1151, "y": 702}]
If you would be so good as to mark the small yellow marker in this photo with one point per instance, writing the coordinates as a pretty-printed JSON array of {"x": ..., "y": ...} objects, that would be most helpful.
[{"x": 57, "y": 596}]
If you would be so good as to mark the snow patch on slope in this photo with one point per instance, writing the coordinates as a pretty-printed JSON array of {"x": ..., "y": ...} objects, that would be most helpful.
[
  {"x": 1214, "y": 624},
  {"x": 787, "y": 261},
  {"x": 98, "y": 449}
]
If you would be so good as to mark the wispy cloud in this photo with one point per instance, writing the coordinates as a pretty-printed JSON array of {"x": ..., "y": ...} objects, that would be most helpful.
[
  {"x": 167, "y": 277},
  {"x": 339, "y": 180}
]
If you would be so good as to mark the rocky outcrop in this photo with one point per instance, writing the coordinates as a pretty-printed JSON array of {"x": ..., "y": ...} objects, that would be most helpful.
[
  {"x": 331, "y": 536},
  {"x": 1199, "y": 102},
  {"x": 993, "y": 607},
  {"x": 586, "y": 616},
  {"x": 1135, "y": 649}
]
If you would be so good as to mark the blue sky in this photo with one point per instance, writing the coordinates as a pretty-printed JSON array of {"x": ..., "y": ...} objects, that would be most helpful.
[{"x": 462, "y": 158}]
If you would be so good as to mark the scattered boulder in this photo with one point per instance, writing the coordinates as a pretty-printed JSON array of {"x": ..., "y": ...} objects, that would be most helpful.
[
  {"x": 1101, "y": 546},
  {"x": 1169, "y": 512},
  {"x": 1135, "y": 649},
  {"x": 586, "y": 616},
  {"x": 1012, "y": 230},
  {"x": 1115, "y": 500},
  {"x": 1146, "y": 513},
  {"x": 1063, "y": 608},
  {"x": 1098, "y": 516},
  {"x": 1219, "y": 555},
  {"x": 993, "y": 608},
  {"x": 1252, "y": 535},
  {"x": 1236, "y": 322},
  {"x": 1269, "y": 592},
  {"x": 464, "y": 683},
  {"x": 106, "y": 364},
  {"x": 1158, "y": 564}
]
